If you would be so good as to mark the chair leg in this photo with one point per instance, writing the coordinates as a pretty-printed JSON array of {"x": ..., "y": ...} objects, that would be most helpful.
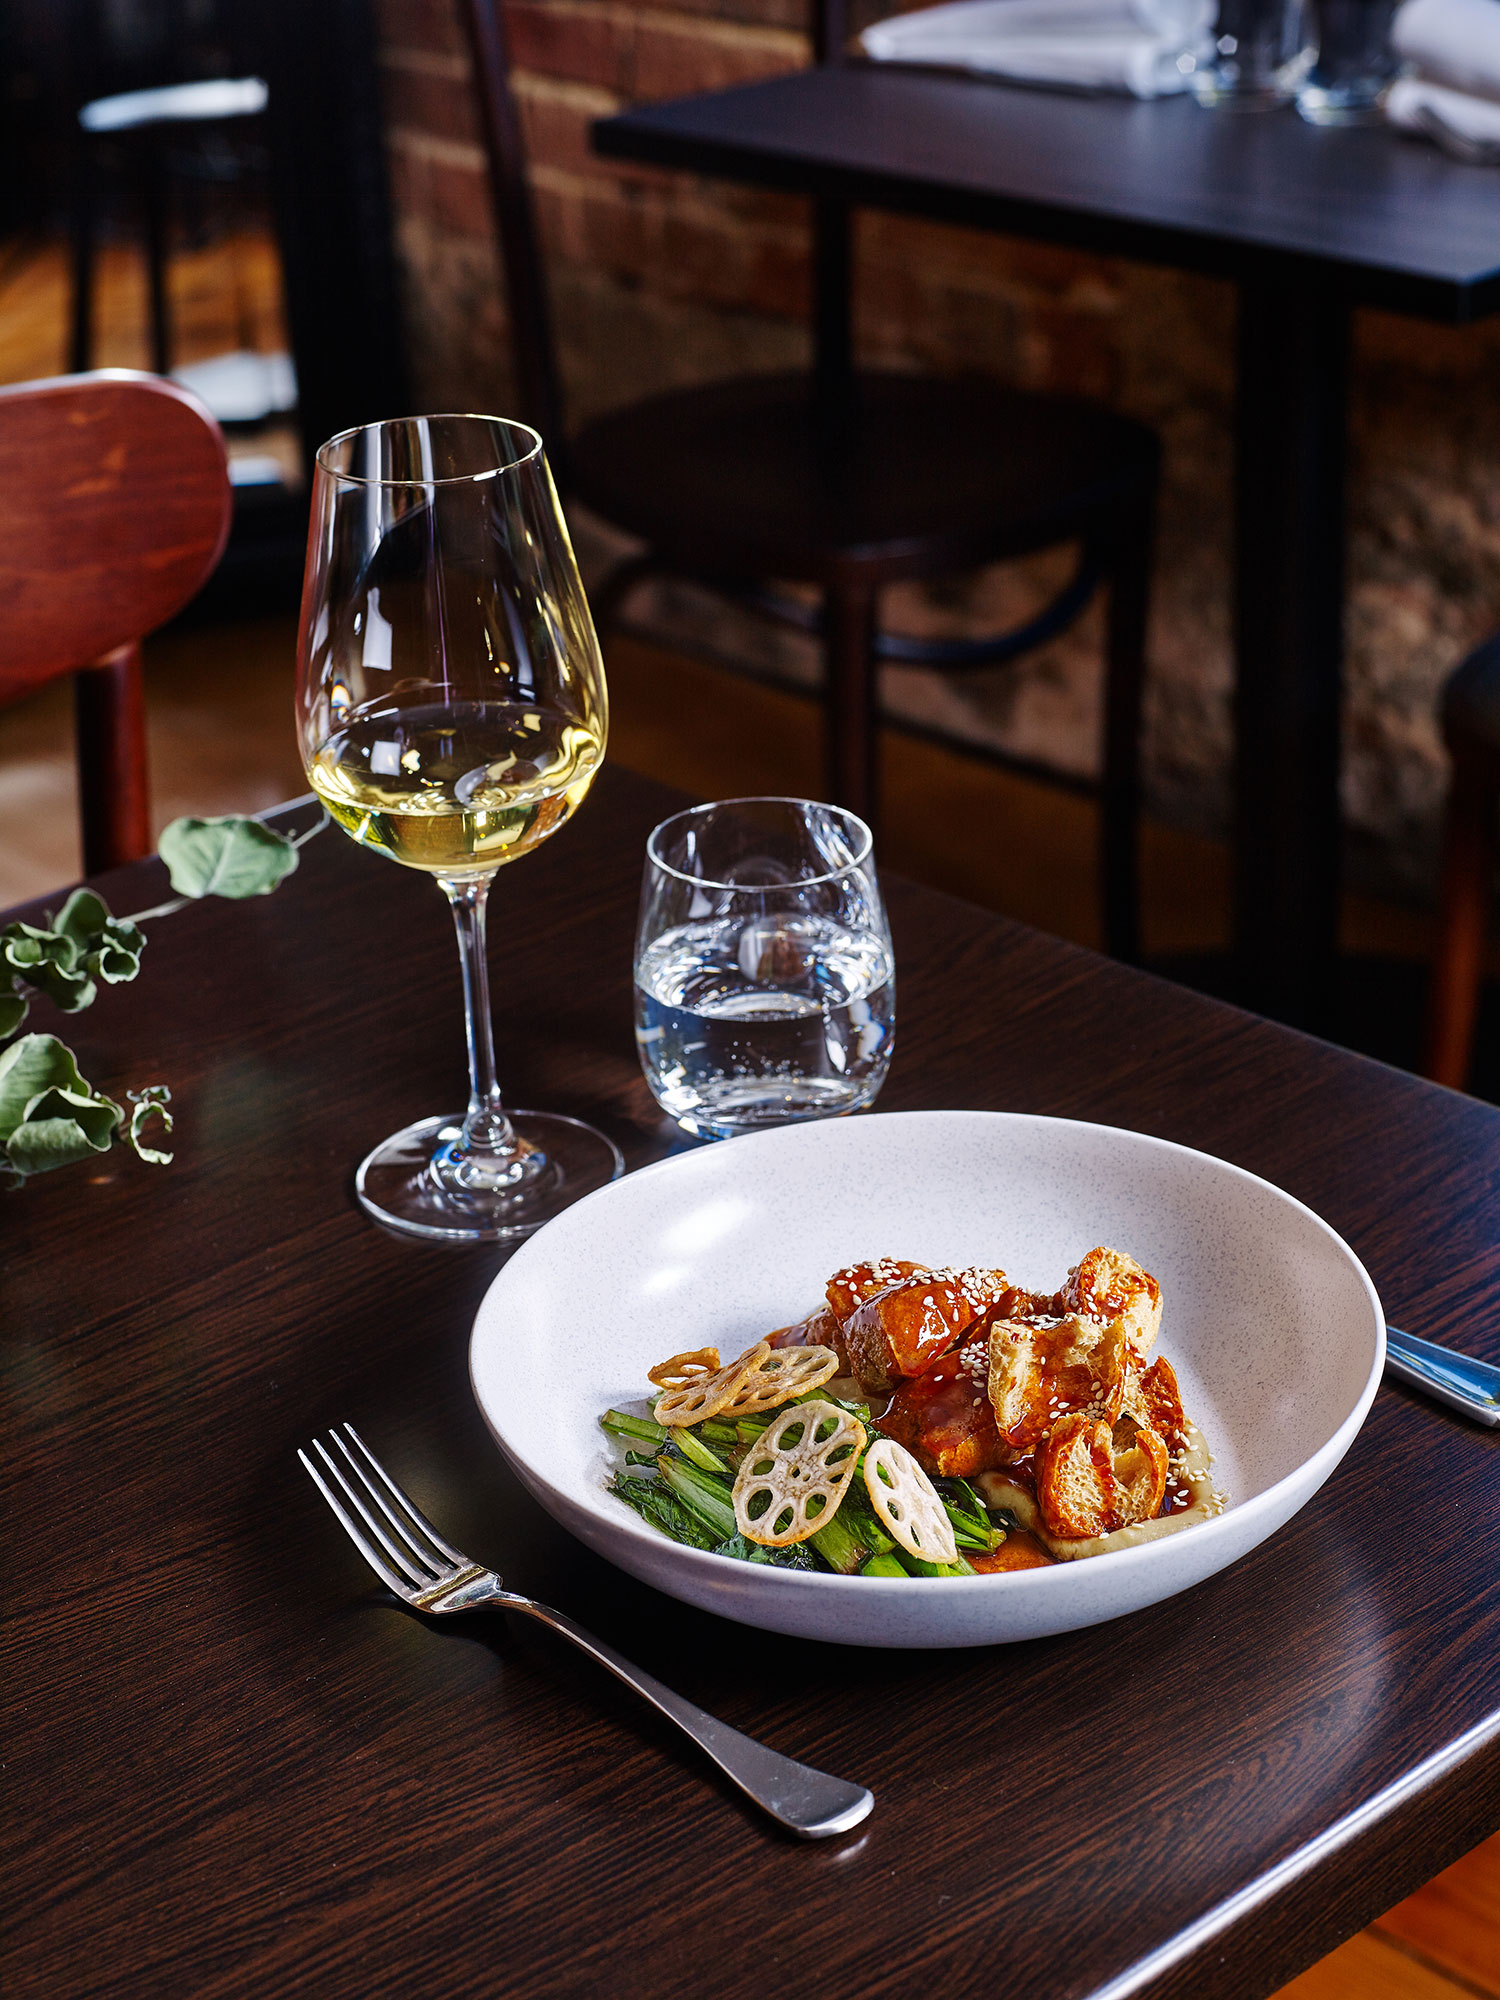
[
  {"x": 851, "y": 723},
  {"x": 1124, "y": 687},
  {"x": 1470, "y": 843},
  {"x": 114, "y": 796}
]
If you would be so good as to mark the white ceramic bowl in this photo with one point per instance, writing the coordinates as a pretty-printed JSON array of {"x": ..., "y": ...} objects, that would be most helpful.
[{"x": 1270, "y": 1320}]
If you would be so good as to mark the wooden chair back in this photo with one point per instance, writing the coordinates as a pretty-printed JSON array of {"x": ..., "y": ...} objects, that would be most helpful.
[
  {"x": 528, "y": 309},
  {"x": 114, "y": 509}
]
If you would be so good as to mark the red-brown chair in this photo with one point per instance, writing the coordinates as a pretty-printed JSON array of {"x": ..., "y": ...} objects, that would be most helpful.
[
  {"x": 114, "y": 509},
  {"x": 1471, "y": 727}
]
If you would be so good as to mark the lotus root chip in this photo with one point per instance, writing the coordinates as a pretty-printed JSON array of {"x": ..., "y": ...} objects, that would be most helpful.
[
  {"x": 705, "y": 1395},
  {"x": 785, "y": 1372},
  {"x": 685, "y": 1368},
  {"x": 793, "y": 1477},
  {"x": 907, "y": 1503}
]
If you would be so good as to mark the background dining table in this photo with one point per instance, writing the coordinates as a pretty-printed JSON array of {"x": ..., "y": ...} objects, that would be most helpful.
[
  {"x": 234, "y": 1766},
  {"x": 1308, "y": 222}
]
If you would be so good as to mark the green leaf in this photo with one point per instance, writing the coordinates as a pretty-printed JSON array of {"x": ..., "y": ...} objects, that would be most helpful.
[
  {"x": 150, "y": 1102},
  {"x": 81, "y": 918},
  {"x": 28, "y": 1069},
  {"x": 49, "y": 961},
  {"x": 49, "y": 1116},
  {"x": 233, "y": 856},
  {"x": 13, "y": 1005},
  {"x": 109, "y": 947}
]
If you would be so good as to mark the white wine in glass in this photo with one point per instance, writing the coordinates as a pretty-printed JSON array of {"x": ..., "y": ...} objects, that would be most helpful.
[{"x": 452, "y": 713}]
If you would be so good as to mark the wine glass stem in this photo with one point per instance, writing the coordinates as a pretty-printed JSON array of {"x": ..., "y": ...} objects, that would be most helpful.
[{"x": 487, "y": 1131}]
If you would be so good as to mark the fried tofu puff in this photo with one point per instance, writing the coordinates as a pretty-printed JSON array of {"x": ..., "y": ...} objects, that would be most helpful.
[
  {"x": 1094, "y": 1477},
  {"x": 1107, "y": 1285},
  {"x": 944, "y": 1419},
  {"x": 1042, "y": 1371},
  {"x": 900, "y": 1331},
  {"x": 1156, "y": 1401}
]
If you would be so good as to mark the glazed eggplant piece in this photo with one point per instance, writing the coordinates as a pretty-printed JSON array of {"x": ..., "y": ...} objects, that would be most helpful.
[
  {"x": 901, "y": 1330},
  {"x": 944, "y": 1419}
]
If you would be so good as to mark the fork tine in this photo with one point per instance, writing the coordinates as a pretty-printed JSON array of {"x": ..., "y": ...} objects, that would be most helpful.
[
  {"x": 387, "y": 1575},
  {"x": 401, "y": 1552},
  {"x": 403, "y": 1501}
]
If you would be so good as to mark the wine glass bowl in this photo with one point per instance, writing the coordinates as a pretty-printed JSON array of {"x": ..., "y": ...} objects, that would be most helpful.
[{"x": 452, "y": 714}]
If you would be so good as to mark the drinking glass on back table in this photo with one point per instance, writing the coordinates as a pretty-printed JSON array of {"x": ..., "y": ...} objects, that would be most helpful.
[
  {"x": 1355, "y": 62},
  {"x": 452, "y": 714},
  {"x": 1262, "y": 50},
  {"x": 764, "y": 981}
]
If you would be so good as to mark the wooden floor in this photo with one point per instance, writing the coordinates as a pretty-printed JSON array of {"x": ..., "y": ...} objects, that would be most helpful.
[{"x": 221, "y": 741}]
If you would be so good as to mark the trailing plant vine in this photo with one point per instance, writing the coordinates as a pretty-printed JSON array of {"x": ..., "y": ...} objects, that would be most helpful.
[{"x": 50, "y": 1114}]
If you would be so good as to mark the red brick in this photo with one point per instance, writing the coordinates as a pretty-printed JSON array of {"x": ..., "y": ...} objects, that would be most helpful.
[
  {"x": 793, "y": 14},
  {"x": 589, "y": 44},
  {"x": 418, "y": 100},
  {"x": 420, "y": 24},
  {"x": 557, "y": 127},
  {"x": 450, "y": 194},
  {"x": 674, "y": 58},
  {"x": 591, "y": 224}
]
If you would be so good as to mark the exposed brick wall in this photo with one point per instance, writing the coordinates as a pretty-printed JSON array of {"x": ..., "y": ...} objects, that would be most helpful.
[{"x": 661, "y": 278}]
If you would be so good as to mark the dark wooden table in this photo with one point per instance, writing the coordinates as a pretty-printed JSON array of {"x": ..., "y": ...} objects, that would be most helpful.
[
  {"x": 232, "y": 1768},
  {"x": 1309, "y": 223}
]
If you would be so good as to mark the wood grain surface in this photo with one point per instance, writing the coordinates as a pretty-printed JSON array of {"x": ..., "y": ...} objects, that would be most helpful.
[
  {"x": 233, "y": 1768},
  {"x": 114, "y": 509},
  {"x": 1365, "y": 214}
]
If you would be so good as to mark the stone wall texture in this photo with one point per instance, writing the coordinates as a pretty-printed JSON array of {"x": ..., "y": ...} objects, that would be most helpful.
[{"x": 660, "y": 279}]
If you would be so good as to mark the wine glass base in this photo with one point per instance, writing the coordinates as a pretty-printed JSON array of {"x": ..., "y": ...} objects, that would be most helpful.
[{"x": 397, "y": 1186}]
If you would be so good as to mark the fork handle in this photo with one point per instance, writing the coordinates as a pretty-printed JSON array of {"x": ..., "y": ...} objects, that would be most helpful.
[
  {"x": 1448, "y": 1376},
  {"x": 808, "y": 1803}
]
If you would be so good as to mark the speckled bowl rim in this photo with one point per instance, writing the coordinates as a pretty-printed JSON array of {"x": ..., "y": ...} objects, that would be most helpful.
[{"x": 1023, "y": 1586}]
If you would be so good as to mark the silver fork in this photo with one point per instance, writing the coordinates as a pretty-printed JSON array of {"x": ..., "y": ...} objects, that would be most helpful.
[{"x": 407, "y": 1553}]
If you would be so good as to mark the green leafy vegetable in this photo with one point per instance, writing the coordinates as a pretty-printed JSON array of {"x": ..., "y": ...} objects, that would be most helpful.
[
  {"x": 696, "y": 1451},
  {"x": 887, "y": 1564},
  {"x": 619, "y": 1423},
  {"x": 232, "y": 856},
  {"x": 704, "y": 1494},
  {"x": 795, "y": 1557},
  {"x": 664, "y": 1511}
]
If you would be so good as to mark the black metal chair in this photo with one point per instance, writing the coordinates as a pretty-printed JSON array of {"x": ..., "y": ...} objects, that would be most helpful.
[
  {"x": 140, "y": 120},
  {"x": 1471, "y": 854},
  {"x": 851, "y": 479}
]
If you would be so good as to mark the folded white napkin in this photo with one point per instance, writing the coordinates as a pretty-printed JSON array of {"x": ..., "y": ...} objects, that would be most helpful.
[
  {"x": 1452, "y": 42},
  {"x": 1470, "y": 116},
  {"x": 1132, "y": 46}
]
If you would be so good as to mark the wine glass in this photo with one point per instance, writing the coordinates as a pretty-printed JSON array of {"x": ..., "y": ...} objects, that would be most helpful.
[{"x": 451, "y": 713}]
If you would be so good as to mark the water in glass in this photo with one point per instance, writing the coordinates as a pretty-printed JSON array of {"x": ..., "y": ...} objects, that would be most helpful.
[{"x": 765, "y": 993}]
